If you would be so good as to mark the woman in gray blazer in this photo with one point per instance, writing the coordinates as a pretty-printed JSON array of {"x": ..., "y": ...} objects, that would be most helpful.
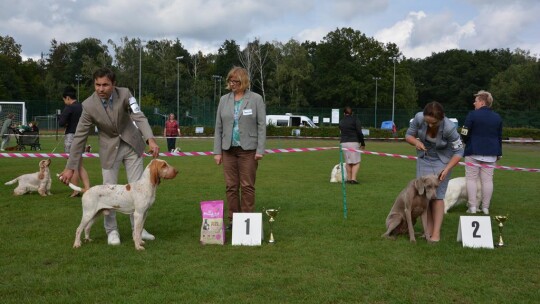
[
  {"x": 239, "y": 140},
  {"x": 438, "y": 149}
]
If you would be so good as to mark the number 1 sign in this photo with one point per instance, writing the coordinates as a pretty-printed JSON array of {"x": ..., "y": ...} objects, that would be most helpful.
[
  {"x": 475, "y": 231},
  {"x": 247, "y": 229}
]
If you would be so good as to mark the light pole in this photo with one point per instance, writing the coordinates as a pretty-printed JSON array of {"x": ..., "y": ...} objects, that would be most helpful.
[
  {"x": 140, "y": 69},
  {"x": 78, "y": 77},
  {"x": 178, "y": 86},
  {"x": 216, "y": 77},
  {"x": 394, "y": 87},
  {"x": 376, "y": 79}
]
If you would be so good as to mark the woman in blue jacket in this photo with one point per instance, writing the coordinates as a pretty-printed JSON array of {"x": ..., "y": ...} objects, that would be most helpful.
[{"x": 482, "y": 133}]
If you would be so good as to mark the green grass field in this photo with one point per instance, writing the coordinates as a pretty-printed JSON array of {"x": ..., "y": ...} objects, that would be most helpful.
[{"x": 319, "y": 256}]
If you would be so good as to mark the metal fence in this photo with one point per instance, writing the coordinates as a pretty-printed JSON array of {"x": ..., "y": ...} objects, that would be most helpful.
[{"x": 202, "y": 112}]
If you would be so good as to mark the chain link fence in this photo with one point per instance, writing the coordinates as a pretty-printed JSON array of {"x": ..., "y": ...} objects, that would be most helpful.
[{"x": 202, "y": 112}]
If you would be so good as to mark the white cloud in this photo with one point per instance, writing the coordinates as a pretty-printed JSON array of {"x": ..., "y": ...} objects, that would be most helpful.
[
  {"x": 312, "y": 34},
  {"x": 500, "y": 27},
  {"x": 206, "y": 24}
]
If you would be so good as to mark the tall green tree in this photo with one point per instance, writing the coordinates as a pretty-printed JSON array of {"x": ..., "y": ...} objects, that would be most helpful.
[
  {"x": 517, "y": 88},
  {"x": 292, "y": 75}
]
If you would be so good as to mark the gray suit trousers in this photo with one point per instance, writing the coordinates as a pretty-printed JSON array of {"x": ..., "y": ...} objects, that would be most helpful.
[{"x": 134, "y": 168}]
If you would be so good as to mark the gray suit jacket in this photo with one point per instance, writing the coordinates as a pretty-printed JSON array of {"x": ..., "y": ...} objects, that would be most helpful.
[
  {"x": 122, "y": 125},
  {"x": 251, "y": 124},
  {"x": 448, "y": 140}
]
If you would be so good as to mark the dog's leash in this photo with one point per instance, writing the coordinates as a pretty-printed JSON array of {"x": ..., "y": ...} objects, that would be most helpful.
[{"x": 63, "y": 137}]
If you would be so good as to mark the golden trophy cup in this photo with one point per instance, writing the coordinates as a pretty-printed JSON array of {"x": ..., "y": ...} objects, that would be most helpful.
[
  {"x": 272, "y": 213},
  {"x": 500, "y": 219}
]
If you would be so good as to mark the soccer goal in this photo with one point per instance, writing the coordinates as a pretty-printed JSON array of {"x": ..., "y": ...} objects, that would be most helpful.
[{"x": 18, "y": 108}]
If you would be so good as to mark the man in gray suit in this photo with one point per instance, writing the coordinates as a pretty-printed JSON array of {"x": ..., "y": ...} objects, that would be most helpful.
[{"x": 123, "y": 129}]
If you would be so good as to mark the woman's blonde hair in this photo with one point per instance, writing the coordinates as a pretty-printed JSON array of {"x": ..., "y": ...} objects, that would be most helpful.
[{"x": 242, "y": 75}]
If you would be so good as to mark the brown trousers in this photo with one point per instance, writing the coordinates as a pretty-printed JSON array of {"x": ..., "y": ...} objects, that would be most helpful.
[{"x": 239, "y": 169}]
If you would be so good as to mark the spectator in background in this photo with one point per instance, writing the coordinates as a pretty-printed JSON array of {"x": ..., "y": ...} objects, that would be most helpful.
[
  {"x": 172, "y": 130},
  {"x": 239, "y": 140},
  {"x": 69, "y": 119},
  {"x": 439, "y": 149},
  {"x": 123, "y": 133},
  {"x": 4, "y": 134},
  {"x": 351, "y": 138},
  {"x": 482, "y": 133},
  {"x": 33, "y": 127}
]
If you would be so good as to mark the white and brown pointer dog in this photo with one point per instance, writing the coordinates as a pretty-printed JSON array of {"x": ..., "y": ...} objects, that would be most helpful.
[{"x": 135, "y": 198}]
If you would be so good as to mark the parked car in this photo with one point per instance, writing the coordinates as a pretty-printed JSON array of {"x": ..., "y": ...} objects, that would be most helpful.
[{"x": 290, "y": 120}]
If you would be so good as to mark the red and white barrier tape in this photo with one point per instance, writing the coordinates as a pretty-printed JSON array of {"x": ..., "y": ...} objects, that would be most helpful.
[
  {"x": 268, "y": 151},
  {"x": 460, "y": 163},
  {"x": 93, "y": 155}
]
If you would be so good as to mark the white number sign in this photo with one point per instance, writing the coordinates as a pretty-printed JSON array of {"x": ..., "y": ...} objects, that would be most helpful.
[
  {"x": 247, "y": 229},
  {"x": 475, "y": 231}
]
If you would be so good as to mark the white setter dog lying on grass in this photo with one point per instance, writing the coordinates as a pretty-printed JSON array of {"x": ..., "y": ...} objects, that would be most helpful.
[
  {"x": 32, "y": 182},
  {"x": 135, "y": 198}
]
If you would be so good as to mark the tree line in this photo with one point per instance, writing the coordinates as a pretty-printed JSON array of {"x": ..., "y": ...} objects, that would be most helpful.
[{"x": 345, "y": 68}]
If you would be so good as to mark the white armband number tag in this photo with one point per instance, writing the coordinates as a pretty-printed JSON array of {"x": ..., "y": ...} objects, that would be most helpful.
[{"x": 133, "y": 105}]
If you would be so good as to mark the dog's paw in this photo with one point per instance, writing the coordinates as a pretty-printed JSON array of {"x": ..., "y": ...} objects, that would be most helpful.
[
  {"x": 389, "y": 237},
  {"x": 413, "y": 241},
  {"x": 77, "y": 245},
  {"x": 87, "y": 240},
  {"x": 139, "y": 247}
]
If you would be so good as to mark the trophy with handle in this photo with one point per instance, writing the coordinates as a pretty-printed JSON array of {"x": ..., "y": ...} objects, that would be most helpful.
[
  {"x": 272, "y": 213},
  {"x": 501, "y": 219}
]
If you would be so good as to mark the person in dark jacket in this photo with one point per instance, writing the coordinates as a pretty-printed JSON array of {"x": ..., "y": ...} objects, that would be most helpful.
[
  {"x": 351, "y": 138},
  {"x": 482, "y": 134},
  {"x": 69, "y": 119}
]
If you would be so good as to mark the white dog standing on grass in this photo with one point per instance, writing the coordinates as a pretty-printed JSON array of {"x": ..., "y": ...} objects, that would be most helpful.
[
  {"x": 456, "y": 193},
  {"x": 135, "y": 198},
  {"x": 39, "y": 181},
  {"x": 335, "y": 175}
]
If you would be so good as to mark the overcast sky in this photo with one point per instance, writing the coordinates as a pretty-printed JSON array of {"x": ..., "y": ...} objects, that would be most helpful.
[{"x": 418, "y": 27}]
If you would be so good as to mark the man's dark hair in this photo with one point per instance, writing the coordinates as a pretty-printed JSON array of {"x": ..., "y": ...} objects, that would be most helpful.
[
  {"x": 70, "y": 92},
  {"x": 105, "y": 72}
]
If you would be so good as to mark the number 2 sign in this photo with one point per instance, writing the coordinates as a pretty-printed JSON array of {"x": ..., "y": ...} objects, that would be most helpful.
[
  {"x": 247, "y": 229},
  {"x": 475, "y": 231}
]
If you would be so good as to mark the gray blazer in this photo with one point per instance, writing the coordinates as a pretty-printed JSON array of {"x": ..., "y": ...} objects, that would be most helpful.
[
  {"x": 123, "y": 125},
  {"x": 448, "y": 140},
  {"x": 251, "y": 124}
]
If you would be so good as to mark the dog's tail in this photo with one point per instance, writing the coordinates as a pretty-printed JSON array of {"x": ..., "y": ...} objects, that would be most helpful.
[
  {"x": 75, "y": 188},
  {"x": 11, "y": 182}
]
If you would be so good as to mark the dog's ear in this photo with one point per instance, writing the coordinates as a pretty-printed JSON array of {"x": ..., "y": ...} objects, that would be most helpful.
[
  {"x": 41, "y": 174},
  {"x": 419, "y": 185},
  {"x": 154, "y": 172}
]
